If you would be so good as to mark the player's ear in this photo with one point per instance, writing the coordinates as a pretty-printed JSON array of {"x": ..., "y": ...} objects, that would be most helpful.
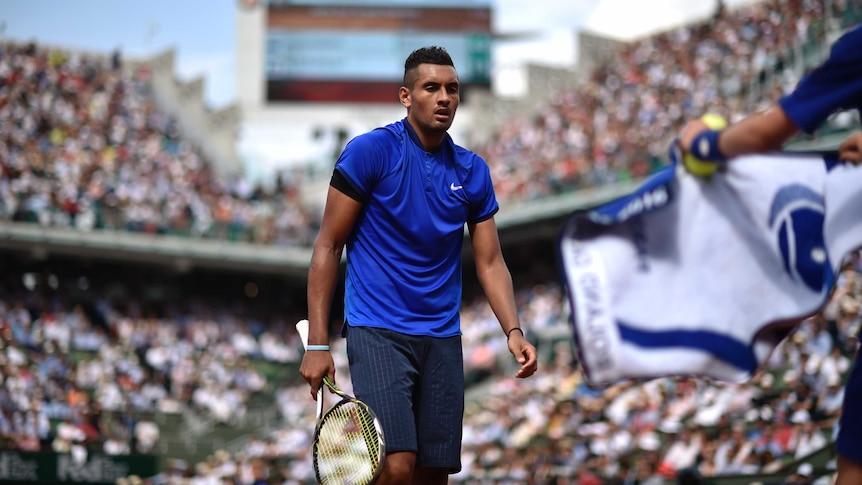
[{"x": 404, "y": 96}]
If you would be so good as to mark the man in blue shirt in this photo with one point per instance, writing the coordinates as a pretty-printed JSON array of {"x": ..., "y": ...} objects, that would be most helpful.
[
  {"x": 834, "y": 86},
  {"x": 398, "y": 200}
]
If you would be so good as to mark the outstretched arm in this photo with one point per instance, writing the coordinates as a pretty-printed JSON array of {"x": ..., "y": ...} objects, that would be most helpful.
[{"x": 760, "y": 132}]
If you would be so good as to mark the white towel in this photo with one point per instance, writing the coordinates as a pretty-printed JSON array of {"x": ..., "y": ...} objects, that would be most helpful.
[{"x": 692, "y": 276}]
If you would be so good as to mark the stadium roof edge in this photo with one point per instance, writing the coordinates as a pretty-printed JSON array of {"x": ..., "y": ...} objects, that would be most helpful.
[
  {"x": 563, "y": 204},
  {"x": 182, "y": 253},
  {"x": 173, "y": 251}
]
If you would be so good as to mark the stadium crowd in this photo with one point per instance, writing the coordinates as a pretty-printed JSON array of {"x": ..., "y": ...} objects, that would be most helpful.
[
  {"x": 83, "y": 145},
  {"x": 91, "y": 380},
  {"x": 618, "y": 122}
]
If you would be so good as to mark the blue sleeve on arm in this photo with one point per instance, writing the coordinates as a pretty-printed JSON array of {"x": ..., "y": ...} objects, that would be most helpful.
[
  {"x": 359, "y": 164},
  {"x": 484, "y": 204},
  {"x": 834, "y": 86}
]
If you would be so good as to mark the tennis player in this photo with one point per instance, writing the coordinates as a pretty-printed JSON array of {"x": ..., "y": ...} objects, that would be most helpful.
[
  {"x": 399, "y": 198},
  {"x": 835, "y": 85}
]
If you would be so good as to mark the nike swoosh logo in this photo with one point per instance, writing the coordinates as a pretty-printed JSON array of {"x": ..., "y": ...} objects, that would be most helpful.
[{"x": 455, "y": 187}]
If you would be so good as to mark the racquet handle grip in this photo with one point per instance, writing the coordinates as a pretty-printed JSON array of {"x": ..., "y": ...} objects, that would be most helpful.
[{"x": 302, "y": 329}]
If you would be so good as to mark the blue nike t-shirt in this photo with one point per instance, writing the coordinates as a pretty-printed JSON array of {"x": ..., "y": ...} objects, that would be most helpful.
[
  {"x": 834, "y": 86},
  {"x": 404, "y": 255}
]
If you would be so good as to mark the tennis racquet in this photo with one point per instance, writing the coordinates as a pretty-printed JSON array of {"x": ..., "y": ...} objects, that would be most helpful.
[{"x": 348, "y": 445}]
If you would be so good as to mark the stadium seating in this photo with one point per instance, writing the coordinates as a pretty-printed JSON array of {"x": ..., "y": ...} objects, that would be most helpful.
[
  {"x": 201, "y": 381},
  {"x": 618, "y": 123},
  {"x": 86, "y": 147}
]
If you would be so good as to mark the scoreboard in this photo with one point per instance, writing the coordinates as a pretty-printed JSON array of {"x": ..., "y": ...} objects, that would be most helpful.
[{"x": 354, "y": 50}]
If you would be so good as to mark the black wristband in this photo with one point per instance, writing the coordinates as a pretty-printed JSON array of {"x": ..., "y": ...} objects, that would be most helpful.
[{"x": 512, "y": 330}]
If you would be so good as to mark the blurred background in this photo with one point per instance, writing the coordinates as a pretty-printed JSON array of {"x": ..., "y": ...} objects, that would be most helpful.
[{"x": 163, "y": 167}]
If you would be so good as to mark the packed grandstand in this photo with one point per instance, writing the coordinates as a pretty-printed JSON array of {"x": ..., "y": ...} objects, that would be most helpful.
[{"x": 198, "y": 369}]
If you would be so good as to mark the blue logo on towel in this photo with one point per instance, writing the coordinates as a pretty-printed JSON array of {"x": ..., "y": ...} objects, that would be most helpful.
[{"x": 796, "y": 217}]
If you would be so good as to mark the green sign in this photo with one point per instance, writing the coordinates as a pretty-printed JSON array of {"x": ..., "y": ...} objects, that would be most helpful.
[{"x": 21, "y": 467}]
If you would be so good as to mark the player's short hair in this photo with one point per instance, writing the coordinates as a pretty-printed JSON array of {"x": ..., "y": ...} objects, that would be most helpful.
[{"x": 425, "y": 55}]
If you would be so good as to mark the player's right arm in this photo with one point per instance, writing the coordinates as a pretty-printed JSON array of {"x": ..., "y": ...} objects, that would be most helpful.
[
  {"x": 339, "y": 216},
  {"x": 765, "y": 132},
  {"x": 760, "y": 132}
]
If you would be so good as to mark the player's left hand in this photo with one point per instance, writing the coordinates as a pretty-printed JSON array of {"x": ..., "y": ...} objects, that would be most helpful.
[
  {"x": 851, "y": 149},
  {"x": 525, "y": 354}
]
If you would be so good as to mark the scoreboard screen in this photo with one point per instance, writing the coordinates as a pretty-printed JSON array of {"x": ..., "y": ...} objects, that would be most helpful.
[{"x": 354, "y": 51}]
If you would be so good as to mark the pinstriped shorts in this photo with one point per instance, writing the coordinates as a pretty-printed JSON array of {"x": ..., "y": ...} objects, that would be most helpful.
[{"x": 415, "y": 385}]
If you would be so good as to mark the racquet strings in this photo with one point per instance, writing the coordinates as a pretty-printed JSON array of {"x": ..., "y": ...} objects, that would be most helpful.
[{"x": 348, "y": 445}]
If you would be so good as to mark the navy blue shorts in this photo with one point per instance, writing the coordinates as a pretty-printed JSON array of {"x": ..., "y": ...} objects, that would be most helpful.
[
  {"x": 415, "y": 385},
  {"x": 849, "y": 442}
]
